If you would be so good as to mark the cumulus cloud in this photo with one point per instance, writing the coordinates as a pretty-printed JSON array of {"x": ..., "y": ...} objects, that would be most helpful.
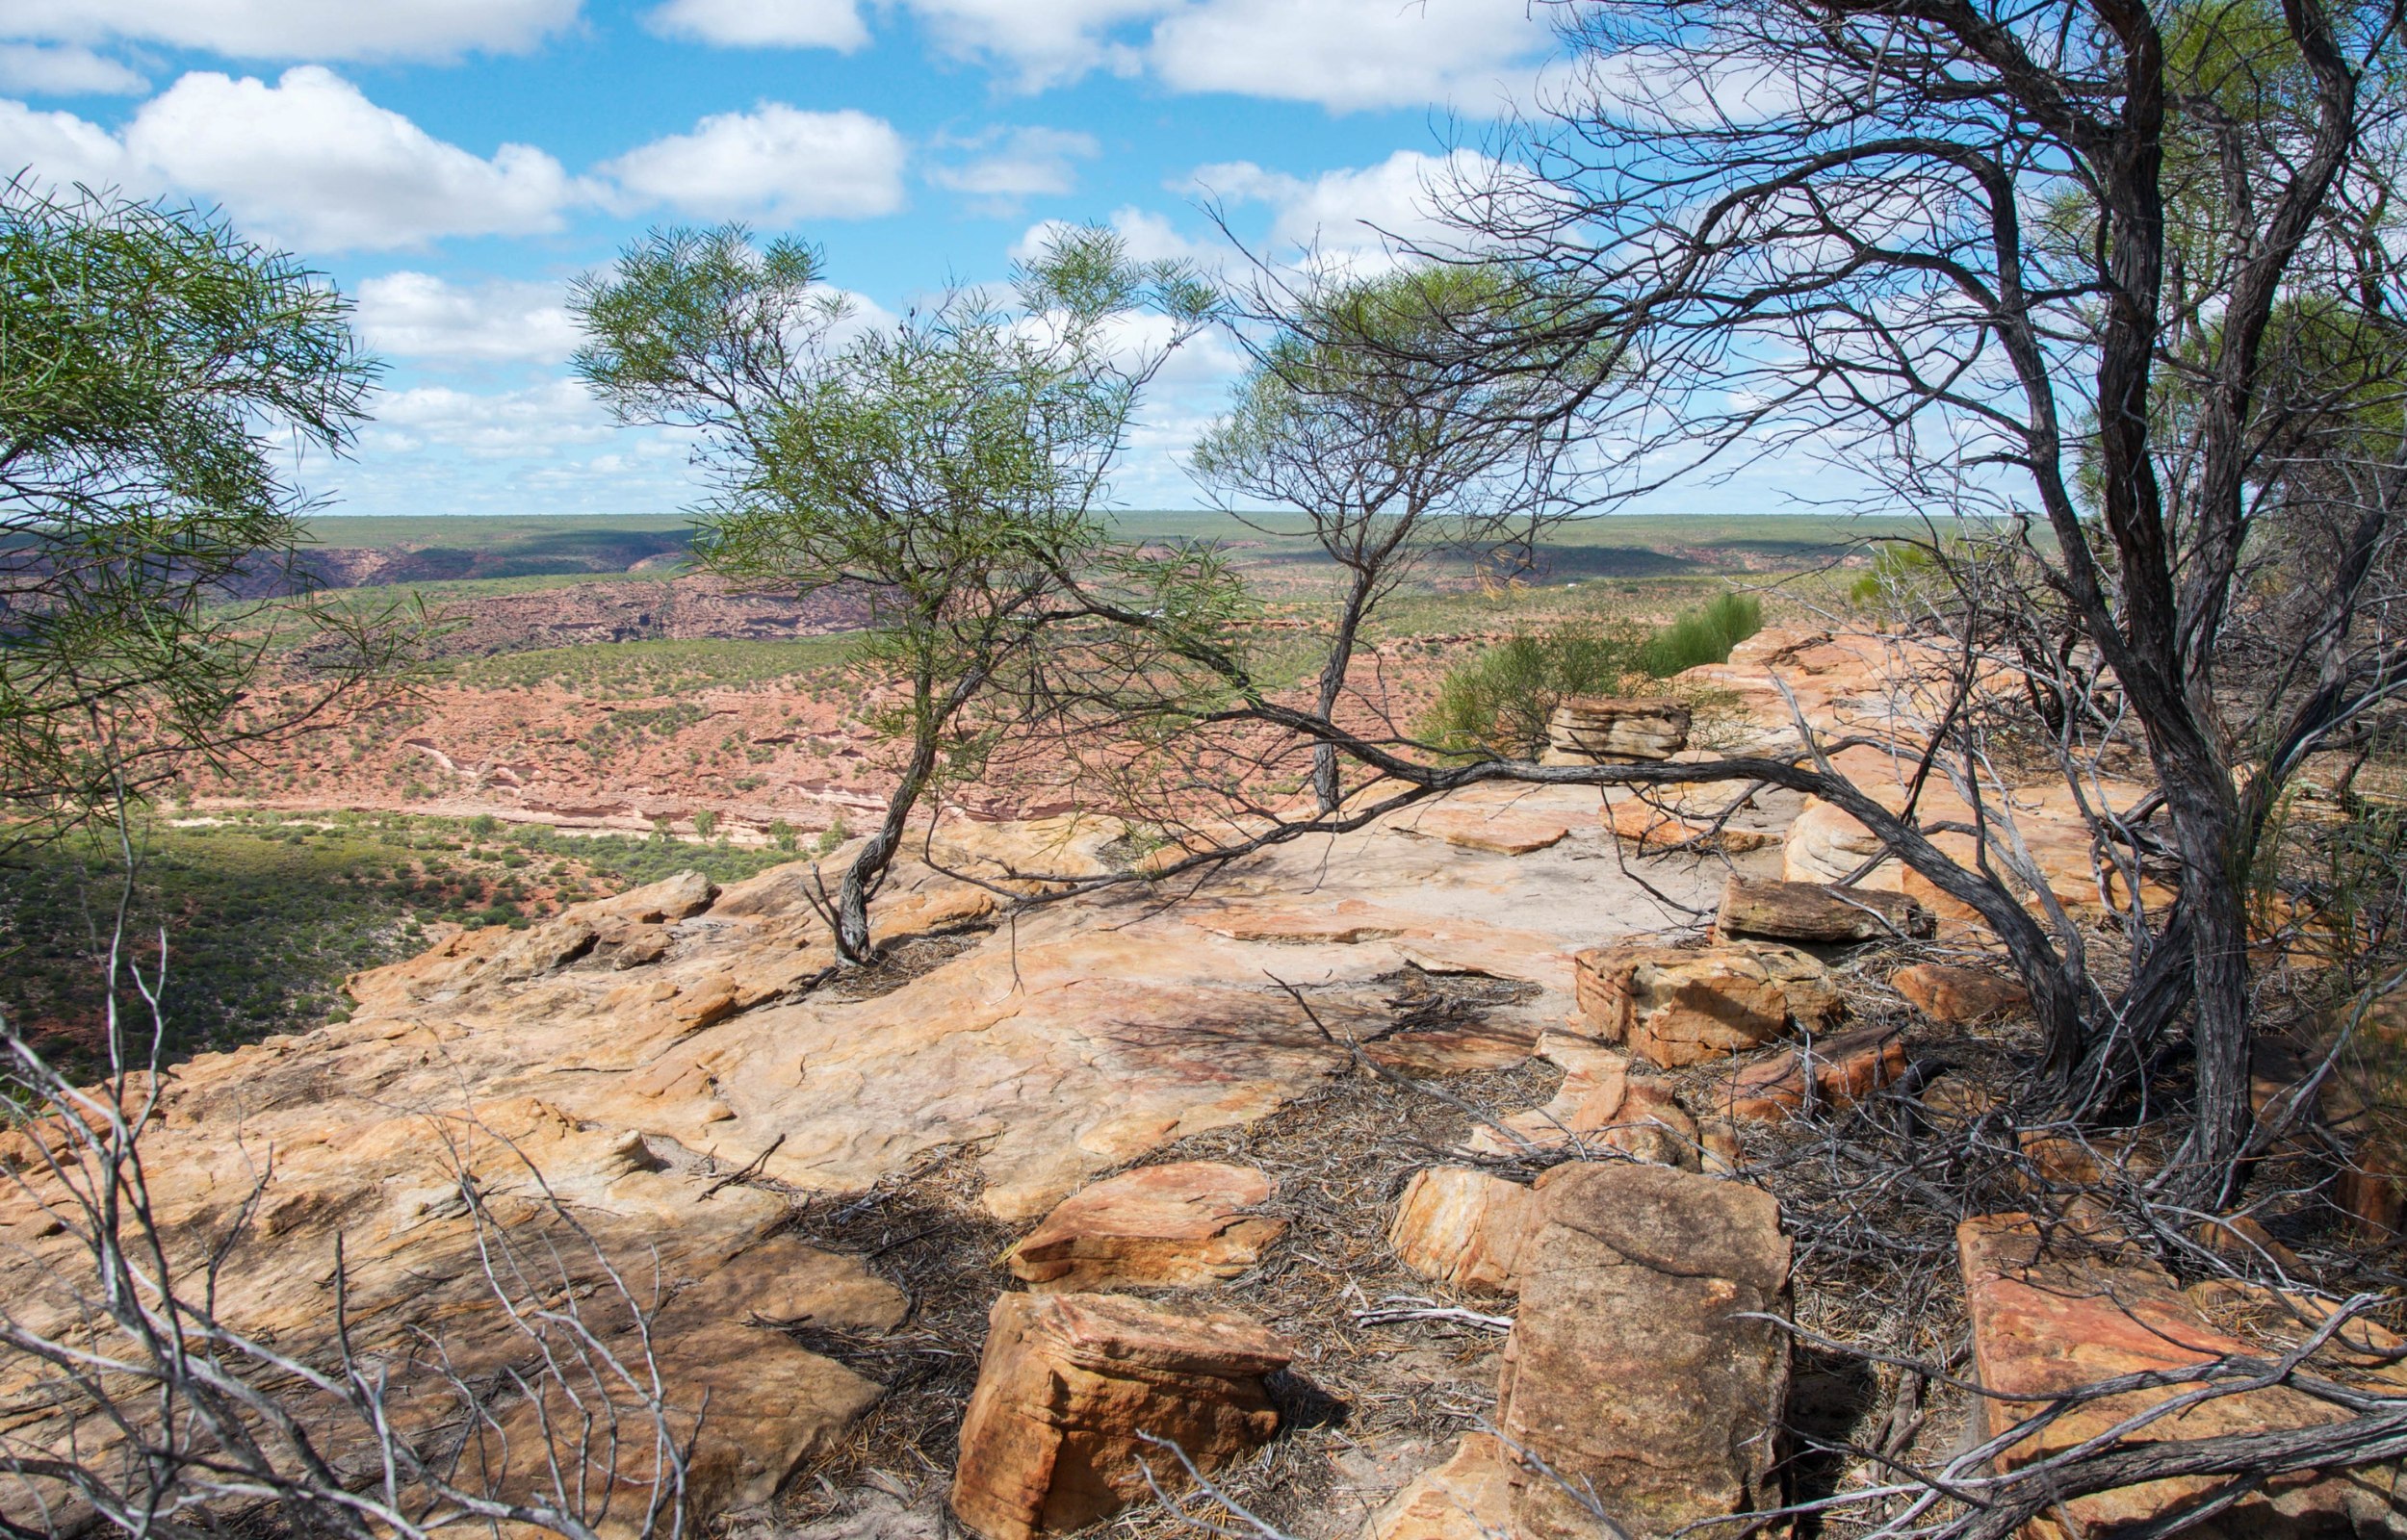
[
  {"x": 1349, "y": 54},
  {"x": 1151, "y": 238},
  {"x": 774, "y": 163},
  {"x": 538, "y": 421},
  {"x": 1363, "y": 216},
  {"x": 308, "y": 162},
  {"x": 66, "y": 70},
  {"x": 763, "y": 23},
  {"x": 1038, "y": 42},
  {"x": 298, "y": 29},
  {"x": 417, "y": 314},
  {"x": 1009, "y": 164}
]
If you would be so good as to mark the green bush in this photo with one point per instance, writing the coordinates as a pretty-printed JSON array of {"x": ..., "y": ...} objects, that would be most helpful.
[
  {"x": 1702, "y": 635},
  {"x": 1500, "y": 702}
]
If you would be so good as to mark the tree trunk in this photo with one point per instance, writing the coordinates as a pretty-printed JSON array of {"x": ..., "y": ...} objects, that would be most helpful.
[
  {"x": 867, "y": 871},
  {"x": 1326, "y": 793}
]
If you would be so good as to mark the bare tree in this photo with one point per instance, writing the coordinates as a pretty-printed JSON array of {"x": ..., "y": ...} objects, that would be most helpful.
[
  {"x": 2110, "y": 286},
  {"x": 1391, "y": 452}
]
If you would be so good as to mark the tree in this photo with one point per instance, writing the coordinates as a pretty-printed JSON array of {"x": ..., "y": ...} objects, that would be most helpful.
[
  {"x": 950, "y": 469},
  {"x": 1391, "y": 451},
  {"x": 154, "y": 369},
  {"x": 2053, "y": 270}
]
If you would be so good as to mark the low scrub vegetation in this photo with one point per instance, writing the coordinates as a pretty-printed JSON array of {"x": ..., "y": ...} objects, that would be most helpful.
[{"x": 1500, "y": 701}]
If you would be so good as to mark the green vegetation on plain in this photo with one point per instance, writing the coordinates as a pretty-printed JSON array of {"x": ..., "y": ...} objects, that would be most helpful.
[{"x": 267, "y": 913}]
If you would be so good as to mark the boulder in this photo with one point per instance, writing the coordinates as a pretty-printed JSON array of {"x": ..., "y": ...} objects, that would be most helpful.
[
  {"x": 1469, "y": 1498},
  {"x": 1675, "y": 1006},
  {"x": 1158, "y": 1226},
  {"x": 1631, "y": 1371},
  {"x": 2048, "y": 1322},
  {"x": 1958, "y": 995},
  {"x": 1840, "y": 1072},
  {"x": 1460, "y": 1226},
  {"x": 1813, "y": 912},
  {"x": 1672, "y": 816},
  {"x": 1607, "y": 729},
  {"x": 1049, "y": 1440}
]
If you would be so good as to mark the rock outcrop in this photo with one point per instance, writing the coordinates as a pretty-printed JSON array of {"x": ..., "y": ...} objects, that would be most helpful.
[
  {"x": 1834, "y": 1072},
  {"x": 1812, "y": 912},
  {"x": 1673, "y": 1006},
  {"x": 2047, "y": 1322},
  {"x": 1464, "y": 1227},
  {"x": 1609, "y": 730},
  {"x": 1067, "y": 1382},
  {"x": 1958, "y": 995},
  {"x": 1158, "y": 1226},
  {"x": 1632, "y": 1371}
]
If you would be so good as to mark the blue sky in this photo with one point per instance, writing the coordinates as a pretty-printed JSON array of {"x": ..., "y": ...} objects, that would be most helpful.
[{"x": 452, "y": 163}]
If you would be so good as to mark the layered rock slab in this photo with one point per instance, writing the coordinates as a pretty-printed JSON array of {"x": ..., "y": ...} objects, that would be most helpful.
[
  {"x": 1631, "y": 1369},
  {"x": 2047, "y": 1322},
  {"x": 1160, "y": 1226},
  {"x": 1468, "y": 1498},
  {"x": 1675, "y": 1006},
  {"x": 1067, "y": 1382},
  {"x": 1462, "y": 1226},
  {"x": 1958, "y": 995},
  {"x": 1773, "y": 910}
]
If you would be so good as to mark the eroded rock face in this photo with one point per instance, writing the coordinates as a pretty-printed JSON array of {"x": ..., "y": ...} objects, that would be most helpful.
[
  {"x": 1675, "y": 1006},
  {"x": 1459, "y": 1225},
  {"x": 1048, "y": 1443},
  {"x": 1158, "y": 1226},
  {"x": 2046, "y": 1321},
  {"x": 1609, "y": 730},
  {"x": 1629, "y": 1370}
]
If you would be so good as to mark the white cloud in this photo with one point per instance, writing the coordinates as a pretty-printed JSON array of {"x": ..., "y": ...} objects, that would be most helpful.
[
  {"x": 60, "y": 148},
  {"x": 1041, "y": 42},
  {"x": 773, "y": 163},
  {"x": 763, "y": 23},
  {"x": 64, "y": 71},
  {"x": 1151, "y": 238},
  {"x": 1365, "y": 215},
  {"x": 537, "y": 422},
  {"x": 298, "y": 29},
  {"x": 1347, "y": 54},
  {"x": 307, "y": 162},
  {"x": 1018, "y": 163},
  {"x": 417, "y": 314}
]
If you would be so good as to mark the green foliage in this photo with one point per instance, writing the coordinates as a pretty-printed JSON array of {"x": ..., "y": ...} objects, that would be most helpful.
[
  {"x": 157, "y": 373},
  {"x": 1702, "y": 635},
  {"x": 706, "y": 823},
  {"x": 1499, "y": 702}
]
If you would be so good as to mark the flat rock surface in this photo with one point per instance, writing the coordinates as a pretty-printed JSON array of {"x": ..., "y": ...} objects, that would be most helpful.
[{"x": 1158, "y": 1226}]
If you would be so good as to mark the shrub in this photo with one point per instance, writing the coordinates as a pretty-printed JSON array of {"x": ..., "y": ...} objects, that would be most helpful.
[
  {"x": 1500, "y": 702},
  {"x": 706, "y": 823},
  {"x": 1702, "y": 635},
  {"x": 781, "y": 836}
]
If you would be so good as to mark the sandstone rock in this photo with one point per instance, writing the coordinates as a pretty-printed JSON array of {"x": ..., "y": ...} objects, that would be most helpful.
[
  {"x": 1469, "y": 1498},
  {"x": 1843, "y": 1070},
  {"x": 671, "y": 898},
  {"x": 1158, "y": 1226},
  {"x": 1809, "y": 911},
  {"x": 2044, "y": 1324},
  {"x": 1675, "y": 1006},
  {"x": 1628, "y": 1371},
  {"x": 1606, "y": 729},
  {"x": 1461, "y": 1227},
  {"x": 1676, "y": 816},
  {"x": 1958, "y": 995},
  {"x": 1048, "y": 1442},
  {"x": 1601, "y": 1105}
]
